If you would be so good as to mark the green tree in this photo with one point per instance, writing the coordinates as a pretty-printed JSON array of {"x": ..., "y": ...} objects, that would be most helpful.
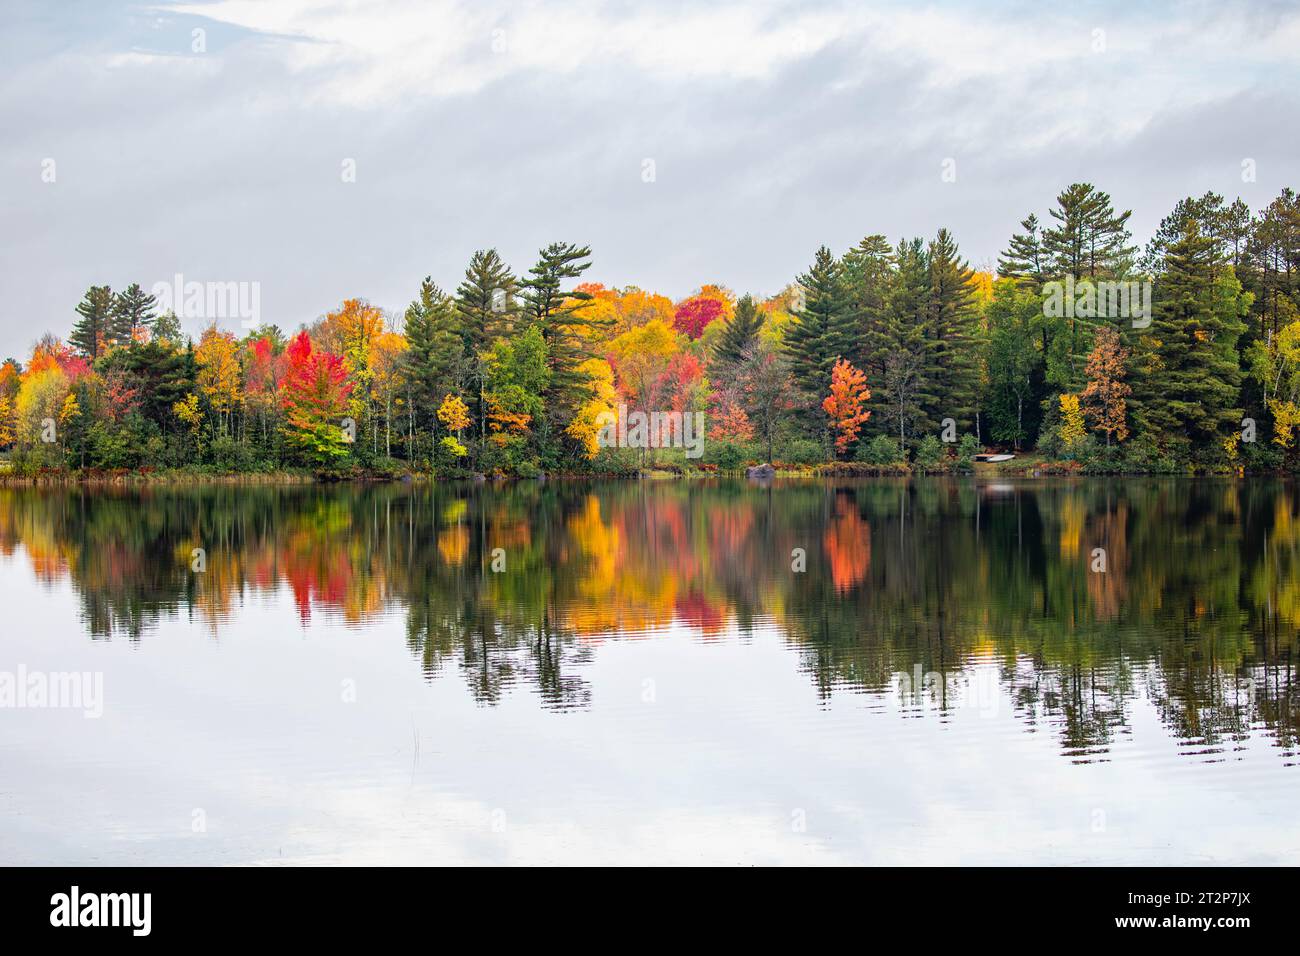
[
  {"x": 1014, "y": 363},
  {"x": 1025, "y": 257},
  {"x": 906, "y": 383},
  {"x": 953, "y": 326},
  {"x": 435, "y": 358},
  {"x": 739, "y": 334},
  {"x": 92, "y": 330},
  {"x": 485, "y": 308},
  {"x": 133, "y": 314},
  {"x": 1187, "y": 389},
  {"x": 821, "y": 332},
  {"x": 868, "y": 278},
  {"x": 567, "y": 329}
]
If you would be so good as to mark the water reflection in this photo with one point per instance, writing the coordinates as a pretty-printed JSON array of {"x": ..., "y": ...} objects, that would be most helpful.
[{"x": 921, "y": 592}]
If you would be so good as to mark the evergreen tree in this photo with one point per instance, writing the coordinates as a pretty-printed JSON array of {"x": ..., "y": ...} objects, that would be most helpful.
[
  {"x": 1025, "y": 257},
  {"x": 160, "y": 373},
  {"x": 167, "y": 326},
  {"x": 1090, "y": 240},
  {"x": 739, "y": 334},
  {"x": 822, "y": 331},
  {"x": 1225, "y": 225},
  {"x": 906, "y": 385},
  {"x": 91, "y": 332},
  {"x": 435, "y": 358},
  {"x": 1188, "y": 385},
  {"x": 132, "y": 314},
  {"x": 567, "y": 329},
  {"x": 953, "y": 324},
  {"x": 485, "y": 306},
  {"x": 868, "y": 279}
]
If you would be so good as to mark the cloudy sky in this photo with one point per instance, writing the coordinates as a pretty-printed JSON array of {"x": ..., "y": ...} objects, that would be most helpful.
[{"x": 686, "y": 142}]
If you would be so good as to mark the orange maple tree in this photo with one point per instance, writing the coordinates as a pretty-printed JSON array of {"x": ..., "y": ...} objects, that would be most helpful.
[{"x": 849, "y": 393}]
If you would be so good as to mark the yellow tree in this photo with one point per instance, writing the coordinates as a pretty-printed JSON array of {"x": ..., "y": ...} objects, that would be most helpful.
[
  {"x": 351, "y": 332},
  {"x": 7, "y": 431},
  {"x": 386, "y": 359},
  {"x": 641, "y": 357},
  {"x": 585, "y": 427},
  {"x": 1072, "y": 428},
  {"x": 219, "y": 376},
  {"x": 454, "y": 415}
]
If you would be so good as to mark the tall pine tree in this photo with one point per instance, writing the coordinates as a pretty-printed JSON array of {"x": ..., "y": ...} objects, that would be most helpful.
[
  {"x": 1186, "y": 392},
  {"x": 953, "y": 325},
  {"x": 739, "y": 334},
  {"x": 907, "y": 387},
  {"x": 822, "y": 331},
  {"x": 568, "y": 329},
  {"x": 485, "y": 307},
  {"x": 91, "y": 333},
  {"x": 434, "y": 359},
  {"x": 133, "y": 314},
  {"x": 868, "y": 279}
]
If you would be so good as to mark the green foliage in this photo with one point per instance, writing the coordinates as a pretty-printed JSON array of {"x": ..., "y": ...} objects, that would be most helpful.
[
  {"x": 91, "y": 331},
  {"x": 931, "y": 455},
  {"x": 881, "y": 450},
  {"x": 728, "y": 456},
  {"x": 740, "y": 333},
  {"x": 967, "y": 448},
  {"x": 823, "y": 330}
]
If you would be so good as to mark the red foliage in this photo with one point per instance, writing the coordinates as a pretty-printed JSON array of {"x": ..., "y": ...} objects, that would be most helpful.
[
  {"x": 694, "y": 315},
  {"x": 315, "y": 385}
]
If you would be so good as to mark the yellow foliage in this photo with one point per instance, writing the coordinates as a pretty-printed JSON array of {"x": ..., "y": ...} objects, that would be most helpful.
[
  {"x": 1072, "y": 428},
  {"x": 585, "y": 427},
  {"x": 453, "y": 413},
  {"x": 219, "y": 376}
]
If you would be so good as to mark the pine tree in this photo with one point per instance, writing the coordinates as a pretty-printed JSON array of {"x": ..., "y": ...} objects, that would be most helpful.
[
  {"x": 567, "y": 329},
  {"x": 1025, "y": 257},
  {"x": 822, "y": 331},
  {"x": 434, "y": 358},
  {"x": 739, "y": 334},
  {"x": 485, "y": 307},
  {"x": 1089, "y": 240},
  {"x": 132, "y": 314},
  {"x": 953, "y": 325},
  {"x": 91, "y": 332},
  {"x": 868, "y": 278},
  {"x": 1188, "y": 389},
  {"x": 906, "y": 384}
]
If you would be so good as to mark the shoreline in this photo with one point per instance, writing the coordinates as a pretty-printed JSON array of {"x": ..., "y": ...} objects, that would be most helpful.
[{"x": 1028, "y": 472}]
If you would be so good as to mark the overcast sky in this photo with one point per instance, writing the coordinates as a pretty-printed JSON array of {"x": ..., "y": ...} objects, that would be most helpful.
[{"x": 772, "y": 128}]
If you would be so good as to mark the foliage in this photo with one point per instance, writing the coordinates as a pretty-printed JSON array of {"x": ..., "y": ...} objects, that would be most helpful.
[{"x": 845, "y": 406}]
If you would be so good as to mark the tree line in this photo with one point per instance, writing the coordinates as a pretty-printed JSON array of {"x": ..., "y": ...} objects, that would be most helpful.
[{"x": 1079, "y": 345}]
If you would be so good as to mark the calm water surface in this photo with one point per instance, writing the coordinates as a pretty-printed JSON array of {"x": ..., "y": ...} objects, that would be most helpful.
[{"x": 712, "y": 672}]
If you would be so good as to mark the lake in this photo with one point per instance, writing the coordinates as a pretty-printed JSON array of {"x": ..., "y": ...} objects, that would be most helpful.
[{"x": 641, "y": 672}]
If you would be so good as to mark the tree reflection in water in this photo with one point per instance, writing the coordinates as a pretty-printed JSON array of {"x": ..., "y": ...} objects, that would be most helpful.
[{"x": 1197, "y": 609}]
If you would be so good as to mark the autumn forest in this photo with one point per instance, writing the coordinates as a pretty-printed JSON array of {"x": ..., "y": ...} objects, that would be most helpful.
[{"x": 892, "y": 357}]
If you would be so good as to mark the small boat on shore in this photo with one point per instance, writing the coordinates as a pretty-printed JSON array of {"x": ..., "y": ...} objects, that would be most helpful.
[{"x": 993, "y": 459}]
